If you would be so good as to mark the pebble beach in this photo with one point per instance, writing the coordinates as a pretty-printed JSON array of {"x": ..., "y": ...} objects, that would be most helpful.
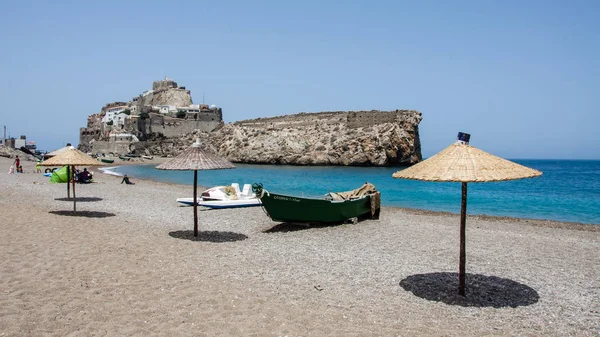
[{"x": 127, "y": 264}]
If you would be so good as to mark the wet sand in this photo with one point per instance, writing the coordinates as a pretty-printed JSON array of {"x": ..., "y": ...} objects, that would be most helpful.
[{"x": 127, "y": 264}]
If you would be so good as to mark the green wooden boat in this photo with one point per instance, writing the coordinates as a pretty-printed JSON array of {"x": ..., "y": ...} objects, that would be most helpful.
[
  {"x": 106, "y": 160},
  {"x": 123, "y": 158},
  {"x": 293, "y": 209}
]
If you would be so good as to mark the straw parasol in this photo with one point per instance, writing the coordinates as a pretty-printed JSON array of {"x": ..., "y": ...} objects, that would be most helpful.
[
  {"x": 461, "y": 162},
  {"x": 72, "y": 157},
  {"x": 57, "y": 151},
  {"x": 194, "y": 158}
]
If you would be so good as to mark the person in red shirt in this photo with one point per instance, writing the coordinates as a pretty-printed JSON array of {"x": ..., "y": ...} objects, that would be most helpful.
[{"x": 17, "y": 163}]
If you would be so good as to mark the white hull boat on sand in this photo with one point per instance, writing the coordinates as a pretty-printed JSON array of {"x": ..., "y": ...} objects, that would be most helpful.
[
  {"x": 225, "y": 197},
  {"x": 221, "y": 203}
]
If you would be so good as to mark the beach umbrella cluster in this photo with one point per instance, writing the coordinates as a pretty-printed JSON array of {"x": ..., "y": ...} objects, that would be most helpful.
[
  {"x": 71, "y": 157},
  {"x": 461, "y": 162},
  {"x": 194, "y": 159}
]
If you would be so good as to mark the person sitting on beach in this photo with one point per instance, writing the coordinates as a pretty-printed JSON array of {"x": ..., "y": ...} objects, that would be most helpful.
[
  {"x": 126, "y": 180},
  {"x": 85, "y": 177},
  {"x": 20, "y": 169}
]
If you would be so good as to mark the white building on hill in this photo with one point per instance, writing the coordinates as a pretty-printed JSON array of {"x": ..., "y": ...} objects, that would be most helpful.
[{"x": 115, "y": 115}]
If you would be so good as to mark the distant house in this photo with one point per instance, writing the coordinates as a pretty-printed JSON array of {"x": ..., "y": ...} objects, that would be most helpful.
[
  {"x": 189, "y": 109},
  {"x": 112, "y": 112},
  {"x": 165, "y": 109},
  {"x": 19, "y": 143},
  {"x": 119, "y": 119},
  {"x": 195, "y": 109}
]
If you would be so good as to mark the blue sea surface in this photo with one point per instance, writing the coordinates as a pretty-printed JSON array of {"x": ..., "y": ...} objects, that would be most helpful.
[{"x": 568, "y": 190}]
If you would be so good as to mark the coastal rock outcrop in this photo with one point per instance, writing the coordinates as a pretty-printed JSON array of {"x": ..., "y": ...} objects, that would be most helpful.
[
  {"x": 364, "y": 138},
  {"x": 359, "y": 138},
  {"x": 163, "y": 121}
]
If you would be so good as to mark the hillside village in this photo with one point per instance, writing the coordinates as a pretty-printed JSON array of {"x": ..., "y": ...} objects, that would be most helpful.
[{"x": 165, "y": 111}]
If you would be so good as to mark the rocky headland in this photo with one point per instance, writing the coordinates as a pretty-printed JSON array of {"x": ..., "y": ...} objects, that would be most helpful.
[
  {"x": 163, "y": 121},
  {"x": 353, "y": 138}
]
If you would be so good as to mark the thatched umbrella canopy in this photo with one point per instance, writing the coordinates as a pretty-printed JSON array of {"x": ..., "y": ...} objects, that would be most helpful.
[
  {"x": 57, "y": 151},
  {"x": 194, "y": 158},
  {"x": 461, "y": 162},
  {"x": 71, "y": 157}
]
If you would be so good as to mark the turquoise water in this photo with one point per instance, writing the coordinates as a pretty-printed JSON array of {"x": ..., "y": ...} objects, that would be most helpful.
[{"x": 569, "y": 190}]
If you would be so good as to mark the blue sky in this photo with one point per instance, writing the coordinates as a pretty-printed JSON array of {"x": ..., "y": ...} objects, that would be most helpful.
[{"x": 523, "y": 77}]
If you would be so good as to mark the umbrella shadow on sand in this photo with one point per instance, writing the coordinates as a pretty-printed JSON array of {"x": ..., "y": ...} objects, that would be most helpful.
[
  {"x": 80, "y": 199},
  {"x": 482, "y": 291},
  {"x": 210, "y": 236},
  {"x": 84, "y": 214}
]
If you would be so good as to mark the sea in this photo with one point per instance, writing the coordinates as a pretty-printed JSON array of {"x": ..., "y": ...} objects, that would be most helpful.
[{"x": 568, "y": 190}]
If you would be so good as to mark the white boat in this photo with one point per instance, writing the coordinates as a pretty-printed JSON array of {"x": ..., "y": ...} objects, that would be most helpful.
[
  {"x": 228, "y": 192},
  {"x": 225, "y": 197},
  {"x": 148, "y": 157},
  {"x": 221, "y": 203}
]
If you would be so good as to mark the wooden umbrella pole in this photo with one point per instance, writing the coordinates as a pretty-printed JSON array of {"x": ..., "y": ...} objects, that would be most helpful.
[
  {"x": 68, "y": 182},
  {"x": 74, "y": 199},
  {"x": 463, "y": 255},
  {"x": 195, "y": 203}
]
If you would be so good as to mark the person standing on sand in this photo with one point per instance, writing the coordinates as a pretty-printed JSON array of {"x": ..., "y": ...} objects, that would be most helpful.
[
  {"x": 38, "y": 167},
  {"x": 17, "y": 163}
]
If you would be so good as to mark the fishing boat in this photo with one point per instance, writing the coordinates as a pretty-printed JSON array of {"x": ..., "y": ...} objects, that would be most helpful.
[
  {"x": 225, "y": 197},
  {"x": 124, "y": 158},
  {"x": 148, "y": 157},
  {"x": 363, "y": 202},
  {"x": 106, "y": 160}
]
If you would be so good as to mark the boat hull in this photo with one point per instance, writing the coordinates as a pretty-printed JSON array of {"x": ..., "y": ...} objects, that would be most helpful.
[
  {"x": 304, "y": 210},
  {"x": 109, "y": 161},
  {"x": 221, "y": 203}
]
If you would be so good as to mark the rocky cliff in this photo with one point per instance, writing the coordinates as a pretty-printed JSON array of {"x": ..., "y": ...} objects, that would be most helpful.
[
  {"x": 365, "y": 138},
  {"x": 164, "y": 92},
  {"x": 174, "y": 97}
]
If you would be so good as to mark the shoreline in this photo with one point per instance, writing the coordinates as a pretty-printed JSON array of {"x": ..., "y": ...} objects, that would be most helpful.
[{"x": 418, "y": 211}]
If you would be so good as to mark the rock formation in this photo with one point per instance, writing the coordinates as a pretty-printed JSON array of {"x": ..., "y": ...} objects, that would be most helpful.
[
  {"x": 163, "y": 122},
  {"x": 164, "y": 92},
  {"x": 365, "y": 138},
  {"x": 175, "y": 97}
]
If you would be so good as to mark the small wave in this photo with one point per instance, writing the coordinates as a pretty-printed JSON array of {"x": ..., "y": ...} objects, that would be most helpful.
[{"x": 110, "y": 170}]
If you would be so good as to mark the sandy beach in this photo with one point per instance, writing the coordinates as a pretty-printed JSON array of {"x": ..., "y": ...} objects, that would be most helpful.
[{"x": 127, "y": 265}]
